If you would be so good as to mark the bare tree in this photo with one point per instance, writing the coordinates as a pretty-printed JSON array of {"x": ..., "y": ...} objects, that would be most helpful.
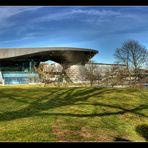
[
  {"x": 53, "y": 73},
  {"x": 110, "y": 76},
  {"x": 43, "y": 75},
  {"x": 115, "y": 75},
  {"x": 47, "y": 74},
  {"x": 91, "y": 72},
  {"x": 134, "y": 55}
]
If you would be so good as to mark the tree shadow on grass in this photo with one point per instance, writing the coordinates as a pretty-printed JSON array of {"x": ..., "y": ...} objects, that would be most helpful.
[
  {"x": 143, "y": 131},
  {"x": 65, "y": 97},
  {"x": 123, "y": 111},
  {"x": 54, "y": 99},
  {"x": 121, "y": 139}
]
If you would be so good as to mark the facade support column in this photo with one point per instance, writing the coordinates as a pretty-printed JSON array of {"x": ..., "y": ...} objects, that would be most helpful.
[{"x": 30, "y": 66}]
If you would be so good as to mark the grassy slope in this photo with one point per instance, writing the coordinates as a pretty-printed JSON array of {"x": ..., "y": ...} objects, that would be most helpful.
[{"x": 73, "y": 114}]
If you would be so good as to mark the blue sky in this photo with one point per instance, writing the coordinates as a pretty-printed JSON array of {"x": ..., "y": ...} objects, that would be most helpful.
[{"x": 100, "y": 28}]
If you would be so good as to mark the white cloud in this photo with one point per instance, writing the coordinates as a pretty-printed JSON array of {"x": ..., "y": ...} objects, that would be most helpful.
[
  {"x": 96, "y": 12},
  {"x": 7, "y": 12},
  {"x": 100, "y": 19},
  {"x": 53, "y": 16},
  {"x": 75, "y": 12},
  {"x": 20, "y": 39}
]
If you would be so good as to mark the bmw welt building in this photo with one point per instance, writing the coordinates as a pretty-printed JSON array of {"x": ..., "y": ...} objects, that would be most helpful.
[{"x": 16, "y": 64}]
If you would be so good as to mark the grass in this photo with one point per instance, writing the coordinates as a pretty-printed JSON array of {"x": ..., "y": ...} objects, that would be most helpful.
[{"x": 35, "y": 113}]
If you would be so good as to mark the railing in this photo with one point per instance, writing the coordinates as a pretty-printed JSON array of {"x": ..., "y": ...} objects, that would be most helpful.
[
  {"x": 1, "y": 78},
  {"x": 19, "y": 74},
  {"x": 19, "y": 77}
]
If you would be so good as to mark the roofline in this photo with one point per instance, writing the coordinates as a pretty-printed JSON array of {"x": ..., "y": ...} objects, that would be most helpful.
[
  {"x": 58, "y": 54},
  {"x": 108, "y": 64},
  {"x": 56, "y": 48}
]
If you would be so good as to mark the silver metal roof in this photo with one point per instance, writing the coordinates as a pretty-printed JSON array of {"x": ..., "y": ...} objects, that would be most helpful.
[{"x": 57, "y": 54}]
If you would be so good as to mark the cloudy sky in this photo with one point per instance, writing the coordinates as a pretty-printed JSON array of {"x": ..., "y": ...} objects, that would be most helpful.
[{"x": 100, "y": 28}]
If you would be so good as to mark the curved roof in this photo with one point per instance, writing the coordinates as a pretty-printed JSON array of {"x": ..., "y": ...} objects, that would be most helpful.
[{"x": 57, "y": 54}]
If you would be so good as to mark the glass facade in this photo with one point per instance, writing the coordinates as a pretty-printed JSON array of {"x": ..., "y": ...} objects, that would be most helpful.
[
  {"x": 17, "y": 77},
  {"x": 21, "y": 72}
]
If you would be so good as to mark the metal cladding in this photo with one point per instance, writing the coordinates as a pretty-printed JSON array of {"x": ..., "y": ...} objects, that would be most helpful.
[{"x": 58, "y": 54}]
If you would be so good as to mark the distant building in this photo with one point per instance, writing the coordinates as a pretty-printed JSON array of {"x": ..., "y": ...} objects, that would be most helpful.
[
  {"x": 102, "y": 68},
  {"x": 78, "y": 73}
]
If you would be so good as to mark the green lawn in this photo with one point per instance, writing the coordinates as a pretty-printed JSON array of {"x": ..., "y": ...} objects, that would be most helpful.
[{"x": 73, "y": 114}]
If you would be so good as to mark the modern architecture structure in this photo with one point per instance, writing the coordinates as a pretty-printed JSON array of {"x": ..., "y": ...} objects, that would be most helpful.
[{"x": 17, "y": 64}]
